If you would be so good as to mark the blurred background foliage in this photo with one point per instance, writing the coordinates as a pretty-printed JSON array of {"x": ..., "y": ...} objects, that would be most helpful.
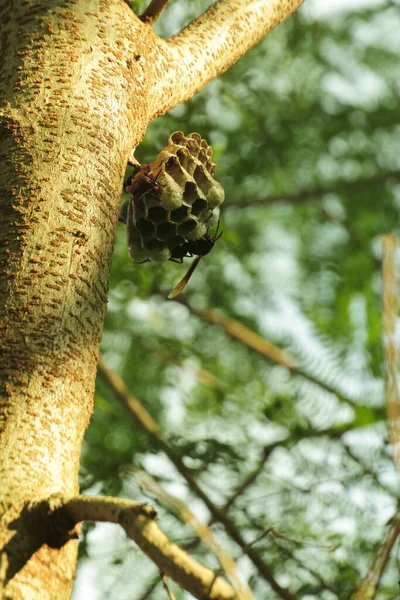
[{"x": 305, "y": 131}]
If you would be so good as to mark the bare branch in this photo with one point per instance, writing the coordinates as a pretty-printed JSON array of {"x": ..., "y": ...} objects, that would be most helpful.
[
  {"x": 148, "y": 424},
  {"x": 390, "y": 307},
  {"x": 139, "y": 522},
  {"x": 153, "y": 11},
  {"x": 262, "y": 346},
  {"x": 211, "y": 44},
  {"x": 370, "y": 583},
  {"x": 134, "y": 405},
  {"x": 245, "y": 335},
  {"x": 170, "y": 595},
  {"x": 202, "y": 530}
]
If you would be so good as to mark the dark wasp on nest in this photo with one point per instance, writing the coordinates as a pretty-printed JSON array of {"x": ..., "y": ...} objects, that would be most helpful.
[
  {"x": 197, "y": 248},
  {"x": 145, "y": 185}
]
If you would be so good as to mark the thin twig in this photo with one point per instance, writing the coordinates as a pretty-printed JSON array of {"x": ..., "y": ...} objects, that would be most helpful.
[
  {"x": 284, "y": 551},
  {"x": 145, "y": 420},
  {"x": 139, "y": 522},
  {"x": 240, "y": 332},
  {"x": 153, "y": 11},
  {"x": 136, "y": 408},
  {"x": 370, "y": 583},
  {"x": 248, "y": 481},
  {"x": 164, "y": 580},
  {"x": 202, "y": 530},
  {"x": 263, "y": 347},
  {"x": 331, "y": 432},
  {"x": 390, "y": 308}
]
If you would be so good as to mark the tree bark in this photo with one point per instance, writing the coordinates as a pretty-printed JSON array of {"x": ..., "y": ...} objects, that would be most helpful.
[
  {"x": 73, "y": 89},
  {"x": 79, "y": 82}
]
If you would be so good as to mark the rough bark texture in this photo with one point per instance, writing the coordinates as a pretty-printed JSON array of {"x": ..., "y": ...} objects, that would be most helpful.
[
  {"x": 212, "y": 43},
  {"x": 79, "y": 82},
  {"x": 70, "y": 114}
]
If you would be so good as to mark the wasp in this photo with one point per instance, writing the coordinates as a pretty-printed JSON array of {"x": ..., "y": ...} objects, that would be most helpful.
[
  {"x": 197, "y": 248},
  {"x": 145, "y": 185}
]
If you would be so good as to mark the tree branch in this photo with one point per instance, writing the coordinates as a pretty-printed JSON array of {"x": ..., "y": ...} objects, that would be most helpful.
[
  {"x": 390, "y": 309},
  {"x": 203, "y": 531},
  {"x": 370, "y": 583},
  {"x": 146, "y": 421},
  {"x": 240, "y": 332},
  {"x": 153, "y": 11},
  {"x": 139, "y": 522},
  {"x": 262, "y": 346},
  {"x": 209, "y": 45}
]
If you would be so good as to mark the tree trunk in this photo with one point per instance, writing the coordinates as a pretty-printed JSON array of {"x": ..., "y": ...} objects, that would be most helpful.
[
  {"x": 79, "y": 82},
  {"x": 70, "y": 115}
]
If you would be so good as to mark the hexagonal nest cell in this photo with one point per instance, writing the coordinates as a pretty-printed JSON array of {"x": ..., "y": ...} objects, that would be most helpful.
[{"x": 173, "y": 198}]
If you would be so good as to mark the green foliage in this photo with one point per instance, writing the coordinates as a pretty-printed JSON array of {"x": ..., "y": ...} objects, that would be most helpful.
[{"x": 305, "y": 137}]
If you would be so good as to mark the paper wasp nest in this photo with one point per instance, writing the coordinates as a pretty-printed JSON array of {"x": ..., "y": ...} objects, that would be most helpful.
[{"x": 174, "y": 199}]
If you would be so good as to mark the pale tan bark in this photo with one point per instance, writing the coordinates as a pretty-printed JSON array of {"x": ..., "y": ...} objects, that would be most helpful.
[
  {"x": 209, "y": 45},
  {"x": 79, "y": 82},
  {"x": 139, "y": 523},
  {"x": 73, "y": 91}
]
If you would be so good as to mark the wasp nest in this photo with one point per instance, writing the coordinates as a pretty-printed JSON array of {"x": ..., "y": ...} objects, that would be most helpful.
[{"x": 174, "y": 199}]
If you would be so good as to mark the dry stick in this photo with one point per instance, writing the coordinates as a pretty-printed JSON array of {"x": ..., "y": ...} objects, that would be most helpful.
[
  {"x": 164, "y": 580},
  {"x": 147, "y": 423},
  {"x": 139, "y": 522},
  {"x": 252, "y": 476},
  {"x": 243, "y": 334},
  {"x": 203, "y": 531},
  {"x": 390, "y": 308},
  {"x": 153, "y": 11},
  {"x": 257, "y": 343},
  {"x": 370, "y": 583},
  {"x": 249, "y": 480}
]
